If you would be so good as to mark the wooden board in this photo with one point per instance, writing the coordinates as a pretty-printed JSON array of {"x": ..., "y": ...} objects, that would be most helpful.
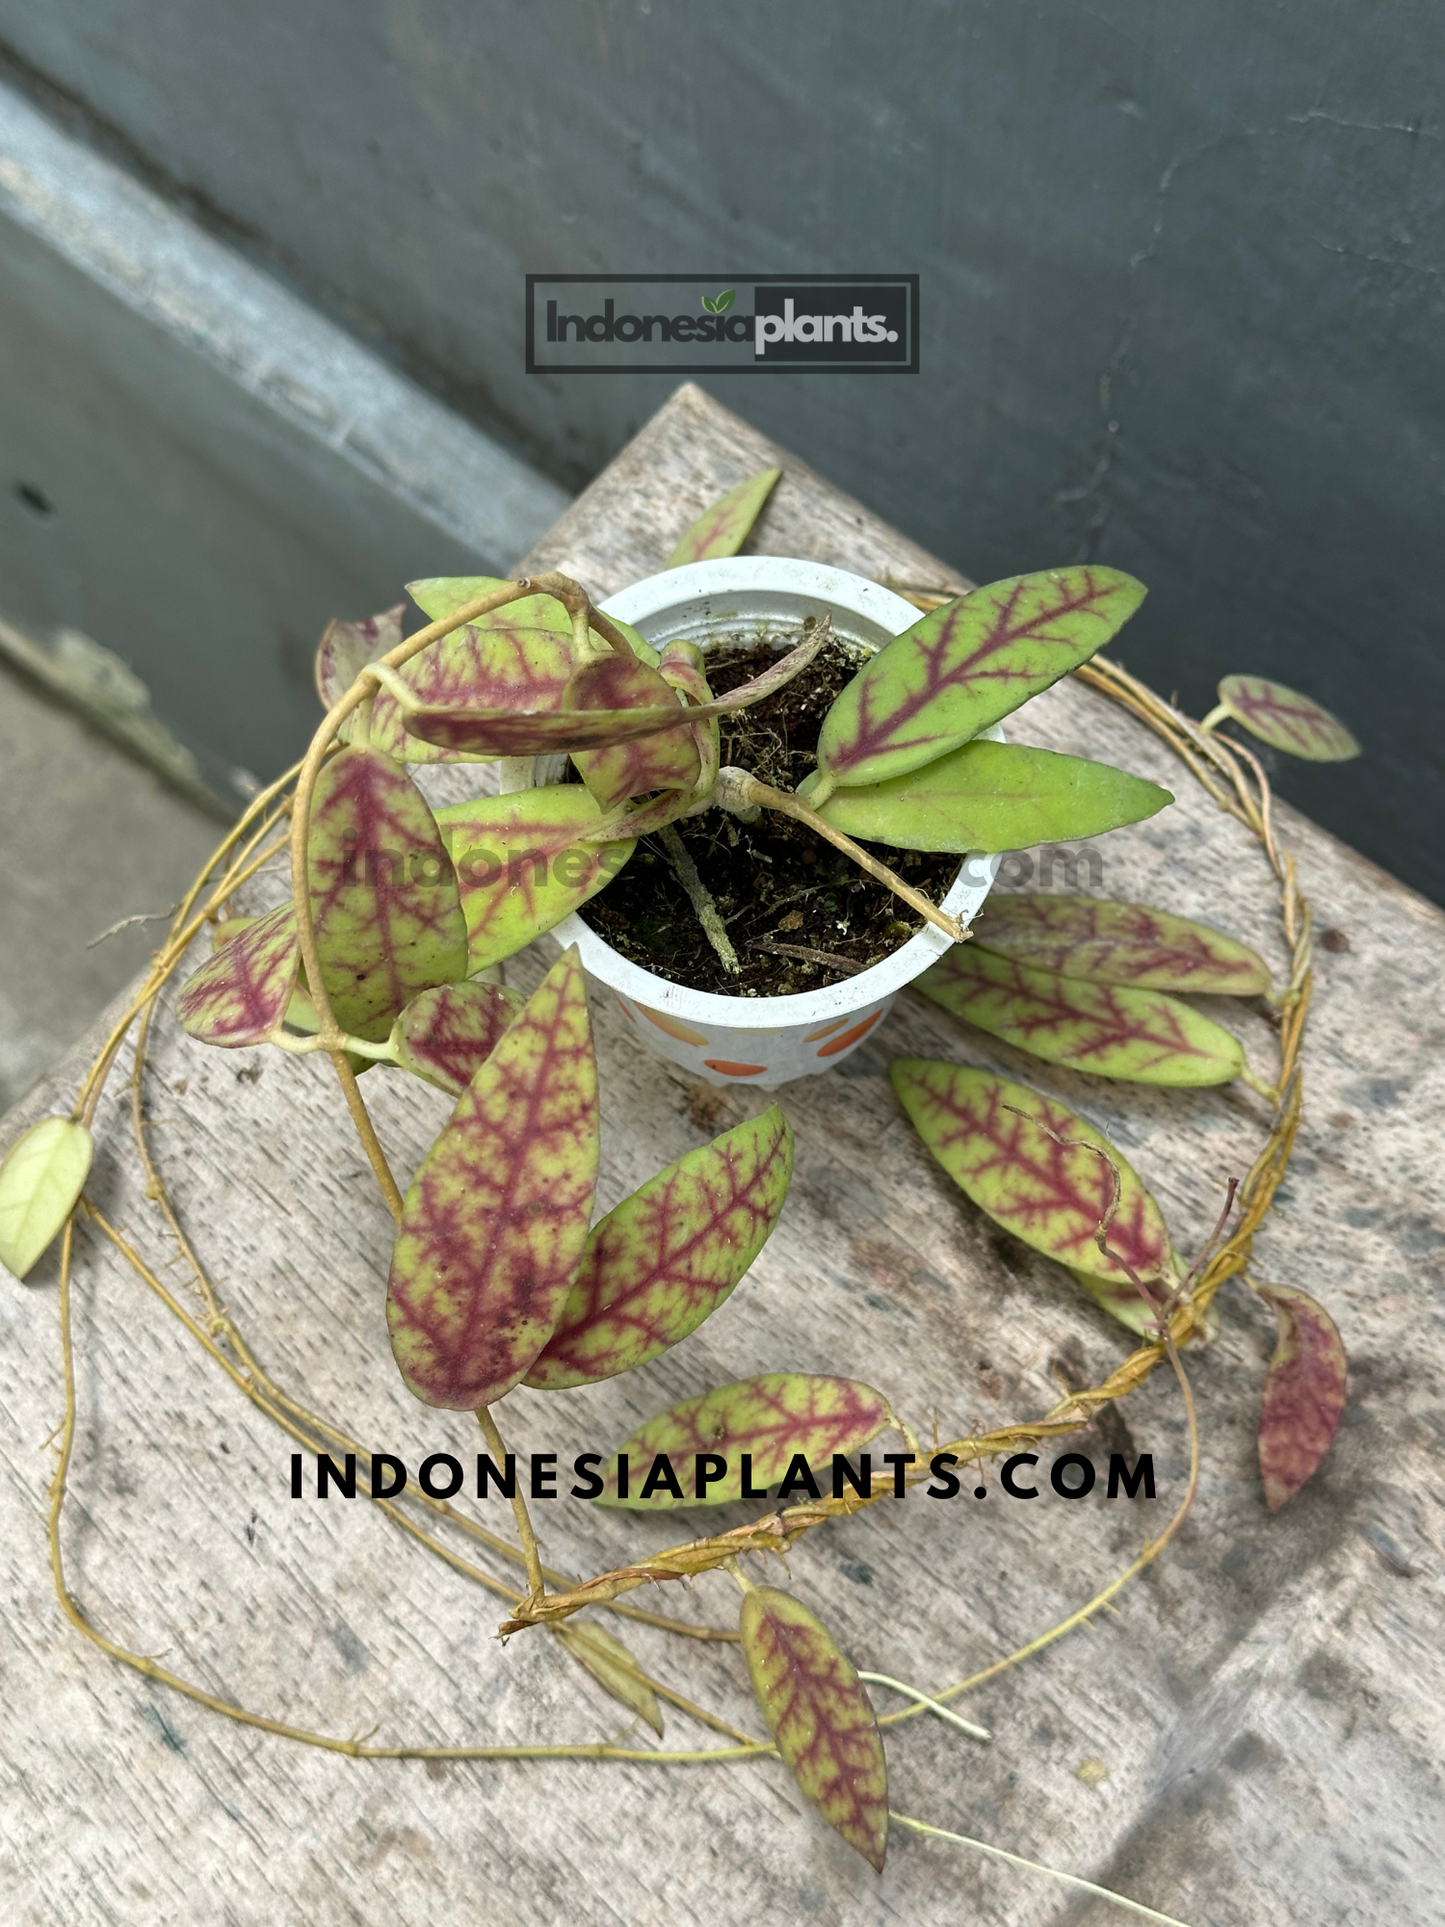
[{"x": 1266, "y": 1705}]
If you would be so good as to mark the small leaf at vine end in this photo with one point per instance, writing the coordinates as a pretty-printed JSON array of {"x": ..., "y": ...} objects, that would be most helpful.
[
  {"x": 1128, "y": 944},
  {"x": 240, "y": 994},
  {"x": 967, "y": 665},
  {"x": 615, "y": 1670},
  {"x": 1286, "y": 720},
  {"x": 1036, "y": 1168},
  {"x": 40, "y": 1180},
  {"x": 723, "y": 528},
  {"x": 819, "y": 1716},
  {"x": 496, "y": 1218},
  {"x": 1138, "y": 1036},
  {"x": 777, "y": 1422},
  {"x": 1304, "y": 1392},
  {"x": 446, "y": 1034},
  {"x": 664, "y": 1259}
]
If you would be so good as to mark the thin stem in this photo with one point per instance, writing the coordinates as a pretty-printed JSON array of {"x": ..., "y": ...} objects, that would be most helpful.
[
  {"x": 536, "y": 1585},
  {"x": 1220, "y": 714},
  {"x": 748, "y": 789},
  {"x": 700, "y": 897},
  {"x": 1036, "y": 1866},
  {"x": 366, "y": 1131},
  {"x": 930, "y": 1705}
]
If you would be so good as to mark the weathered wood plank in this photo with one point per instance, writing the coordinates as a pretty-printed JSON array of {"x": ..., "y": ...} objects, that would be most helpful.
[{"x": 1267, "y": 1704}]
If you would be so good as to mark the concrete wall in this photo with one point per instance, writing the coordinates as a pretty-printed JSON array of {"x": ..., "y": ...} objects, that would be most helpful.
[{"x": 1181, "y": 272}]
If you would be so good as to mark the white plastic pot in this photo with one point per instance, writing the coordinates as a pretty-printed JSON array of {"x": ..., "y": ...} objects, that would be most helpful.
[{"x": 766, "y": 1040}]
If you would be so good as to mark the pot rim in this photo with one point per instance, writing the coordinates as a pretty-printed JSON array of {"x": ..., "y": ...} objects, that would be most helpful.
[{"x": 873, "y": 615}]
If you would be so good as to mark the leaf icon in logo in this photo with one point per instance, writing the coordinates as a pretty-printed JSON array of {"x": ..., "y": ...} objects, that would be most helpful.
[
  {"x": 707, "y": 302},
  {"x": 720, "y": 303}
]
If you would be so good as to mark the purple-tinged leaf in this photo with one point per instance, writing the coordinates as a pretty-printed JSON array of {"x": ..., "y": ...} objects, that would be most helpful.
[
  {"x": 665, "y": 1258},
  {"x": 1304, "y": 1392},
  {"x": 967, "y": 665},
  {"x": 383, "y": 892},
  {"x": 240, "y": 994},
  {"x": 1141, "y": 1036},
  {"x": 1118, "y": 943},
  {"x": 225, "y": 928},
  {"x": 666, "y": 761},
  {"x": 1035, "y": 1167},
  {"x": 819, "y": 1716},
  {"x": 445, "y": 1035},
  {"x": 1286, "y": 720},
  {"x": 523, "y": 864},
  {"x": 347, "y": 647},
  {"x": 723, "y": 528},
  {"x": 496, "y": 1218},
  {"x": 768, "y": 1421}
]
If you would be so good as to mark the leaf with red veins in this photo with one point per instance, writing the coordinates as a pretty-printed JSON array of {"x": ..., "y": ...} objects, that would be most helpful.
[
  {"x": 1045, "y": 1176},
  {"x": 347, "y": 647},
  {"x": 664, "y": 1259},
  {"x": 1304, "y": 1392},
  {"x": 770, "y": 1420},
  {"x": 226, "y": 928},
  {"x": 666, "y": 761},
  {"x": 1141, "y": 1036},
  {"x": 967, "y": 665},
  {"x": 383, "y": 892},
  {"x": 496, "y": 1218},
  {"x": 819, "y": 1716},
  {"x": 723, "y": 528},
  {"x": 1119, "y": 943},
  {"x": 239, "y": 995},
  {"x": 522, "y": 864},
  {"x": 447, "y": 1034},
  {"x": 1286, "y": 720}
]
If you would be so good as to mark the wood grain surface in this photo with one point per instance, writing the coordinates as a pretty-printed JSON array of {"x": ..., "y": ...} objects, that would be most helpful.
[{"x": 1266, "y": 1705}]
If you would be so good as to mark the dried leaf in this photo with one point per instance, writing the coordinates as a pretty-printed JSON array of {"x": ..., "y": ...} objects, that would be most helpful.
[
  {"x": 240, "y": 994},
  {"x": 722, "y": 529},
  {"x": 496, "y": 1218},
  {"x": 612, "y": 1666},
  {"x": 347, "y": 647},
  {"x": 1039, "y": 1175},
  {"x": 665, "y": 1258},
  {"x": 522, "y": 864},
  {"x": 770, "y": 1420},
  {"x": 1142, "y": 1036},
  {"x": 1286, "y": 720},
  {"x": 666, "y": 761},
  {"x": 448, "y": 1033},
  {"x": 1118, "y": 943},
  {"x": 1304, "y": 1392},
  {"x": 819, "y": 1716},
  {"x": 40, "y": 1180},
  {"x": 967, "y": 665},
  {"x": 992, "y": 796},
  {"x": 383, "y": 892}
]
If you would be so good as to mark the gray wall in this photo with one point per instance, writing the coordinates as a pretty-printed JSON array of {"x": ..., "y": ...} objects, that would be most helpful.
[{"x": 1181, "y": 272}]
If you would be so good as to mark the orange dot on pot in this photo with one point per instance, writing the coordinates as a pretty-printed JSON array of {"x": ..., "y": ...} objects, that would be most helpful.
[
  {"x": 850, "y": 1036},
  {"x": 733, "y": 1070}
]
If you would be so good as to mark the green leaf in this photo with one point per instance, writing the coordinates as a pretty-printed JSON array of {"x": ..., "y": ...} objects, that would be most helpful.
[
  {"x": 1286, "y": 720},
  {"x": 40, "y": 1180},
  {"x": 724, "y": 301},
  {"x": 496, "y": 1217},
  {"x": 347, "y": 647},
  {"x": 612, "y": 1666},
  {"x": 722, "y": 529},
  {"x": 665, "y": 761},
  {"x": 1304, "y": 1392},
  {"x": 665, "y": 1258},
  {"x": 522, "y": 864},
  {"x": 1141, "y": 1036},
  {"x": 770, "y": 1420},
  {"x": 968, "y": 665},
  {"x": 991, "y": 796},
  {"x": 1035, "y": 1167},
  {"x": 242, "y": 991},
  {"x": 445, "y": 1035},
  {"x": 384, "y": 895},
  {"x": 819, "y": 1716},
  {"x": 707, "y": 303},
  {"x": 1118, "y": 943}
]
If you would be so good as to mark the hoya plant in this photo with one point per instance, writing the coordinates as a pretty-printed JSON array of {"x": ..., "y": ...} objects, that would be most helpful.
[{"x": 389, "y": 953}]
